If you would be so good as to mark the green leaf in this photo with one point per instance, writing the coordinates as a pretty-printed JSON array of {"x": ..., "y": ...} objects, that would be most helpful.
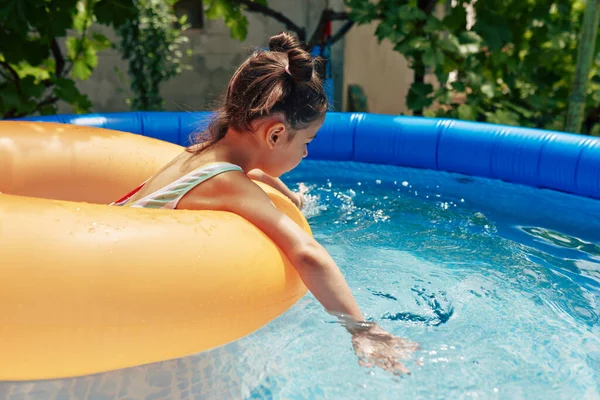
[
  {"x": 493, "y": 28},
  {"x": 409, "y": 12},
  {"x": 488, "y": 90},
  {"x": 467, "y": 112},
  {"x": 9, "y": 97},
  {"x": 83, "y": 17},
  {"x": 433, "y": 25},
  {"x": 30, "y": 88},
  {"x": 503, "y": 117},
  {"x": 469, "y": 49},
  {"x": 66, "y": 90},
  {"x": 362, "y": 12},
  {"x": 115, "y": 12},
  {"x": 235, "y": 20},
  {"x": 83, "y": 105},
  {"x": 429, "y": 113},
  {"x": 100, "y": 42},
  {"x": 456, "y": 20},
  {"x": 449, "y": 44},
  {"x": 83, "y": 55},
  {"x": 521, "y": 110},
  {"x": 403, "y": 47},
  {"x": 444, "y": 96},
  {"x": 31, "y": 50},
  {"x": 469, "y": 37},
  {"x": 419, "y": 43},
  {"x": 72, "y": 44},
  {"x": 474, "y": 80},
  {"x": 419, "y": 96},
  {"x": 470, "y": 43},
  {"x": 49, "y": 109},
  {"x": 238, "y": 27},
  {"x": 81, "y": 70},
  {"x": 384, "y": 30},
  {"x": 219, "y": 9},
  {"x": 440, "y": 58},
  {"x": 25, "y": 69},
  {"x": 429, "y": 57},
  {"x": 90, "y": 57},
  {"x": 540, "y": 102},
  {"x": 459, "y": 86}
]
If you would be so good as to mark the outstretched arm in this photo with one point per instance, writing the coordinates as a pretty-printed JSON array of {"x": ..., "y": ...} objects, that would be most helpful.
[
  {"x": 234, "y": 192},
  {"x": 315, "y": 266}
]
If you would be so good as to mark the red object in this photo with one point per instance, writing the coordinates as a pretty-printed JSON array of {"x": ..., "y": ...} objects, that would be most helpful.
[{"x": 128, "y": 195}]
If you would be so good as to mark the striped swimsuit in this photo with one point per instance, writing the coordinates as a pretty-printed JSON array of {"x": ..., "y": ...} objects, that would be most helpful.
[{"x": 169, "y": 196}]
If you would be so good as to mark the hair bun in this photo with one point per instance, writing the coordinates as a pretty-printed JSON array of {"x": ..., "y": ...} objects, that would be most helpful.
[
  {"x": 283, "y": 42},
  {"x": 301, "y": 65}
]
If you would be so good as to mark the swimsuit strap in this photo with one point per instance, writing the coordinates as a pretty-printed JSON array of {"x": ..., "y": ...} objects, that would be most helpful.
[{"x": 169, "y": 196}]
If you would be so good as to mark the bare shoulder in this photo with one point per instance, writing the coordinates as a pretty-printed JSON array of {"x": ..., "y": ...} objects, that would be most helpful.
[
  {"x": 227, "y": 191},
  {"x": 236, "y": 193}
]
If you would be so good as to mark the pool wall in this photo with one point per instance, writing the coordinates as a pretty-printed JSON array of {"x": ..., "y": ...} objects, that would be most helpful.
[{"x": 549, "y": 159}]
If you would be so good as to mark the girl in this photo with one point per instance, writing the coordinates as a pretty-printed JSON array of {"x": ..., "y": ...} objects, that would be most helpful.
[{"x": 273, "y": 108}]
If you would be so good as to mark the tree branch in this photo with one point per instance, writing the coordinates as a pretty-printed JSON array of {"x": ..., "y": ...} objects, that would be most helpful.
[
  {"x": 340, "y": 16},
  {"x": 14, "y": 114},
  {"x": 342, "y": 31},
  {"x": 46, "y": 102},
  {"x": 260, "y": 9},
  {"x": 58, "y": 57},
  {"x": 5, "y": 75},
  {"x": 13, "y": 73},
  {"x": 326, "y": 16},
  {"x": 318, "y": 33}
]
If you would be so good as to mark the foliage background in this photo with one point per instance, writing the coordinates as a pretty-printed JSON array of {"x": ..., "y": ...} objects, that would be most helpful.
[
  {"x": 514, "y": 66},
  {"x": 35, "y": 72}
]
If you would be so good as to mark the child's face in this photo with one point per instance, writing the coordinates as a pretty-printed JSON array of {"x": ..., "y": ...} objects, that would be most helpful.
[{"x": 287, "y": 154}]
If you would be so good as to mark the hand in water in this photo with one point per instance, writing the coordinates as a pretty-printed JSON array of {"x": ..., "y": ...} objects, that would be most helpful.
[{"x": 378, "y": 348}]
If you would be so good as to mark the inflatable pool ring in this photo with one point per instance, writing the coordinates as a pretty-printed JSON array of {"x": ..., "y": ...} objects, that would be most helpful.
[{"x": 87, "y": 288}]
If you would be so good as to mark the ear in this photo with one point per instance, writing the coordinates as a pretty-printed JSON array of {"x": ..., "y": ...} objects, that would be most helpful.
[{"x": 275, "y": 133}]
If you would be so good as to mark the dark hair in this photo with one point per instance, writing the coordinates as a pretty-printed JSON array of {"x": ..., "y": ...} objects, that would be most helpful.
[{"x": 281, "y": 80}]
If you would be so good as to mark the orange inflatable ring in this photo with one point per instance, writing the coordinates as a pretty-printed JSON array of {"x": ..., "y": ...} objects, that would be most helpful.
[{"x": 87, "y": 288}]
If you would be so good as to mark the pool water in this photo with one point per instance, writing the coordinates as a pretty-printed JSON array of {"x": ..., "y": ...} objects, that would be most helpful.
[{"x": 498, "y": 283}]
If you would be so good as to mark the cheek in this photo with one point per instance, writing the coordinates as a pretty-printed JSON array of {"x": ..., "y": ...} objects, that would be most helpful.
[
  {"x": 293, "y": 151},
  {"x": 301, "y": 152}
]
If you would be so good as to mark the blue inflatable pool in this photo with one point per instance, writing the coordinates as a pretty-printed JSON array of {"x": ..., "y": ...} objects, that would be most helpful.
[{"x": 549, "y": 159}]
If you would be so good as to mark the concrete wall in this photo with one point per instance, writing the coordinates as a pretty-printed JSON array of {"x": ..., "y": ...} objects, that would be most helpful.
[
  {"x": 215, "y": 57},
  {"x": 383, "y": 73}
]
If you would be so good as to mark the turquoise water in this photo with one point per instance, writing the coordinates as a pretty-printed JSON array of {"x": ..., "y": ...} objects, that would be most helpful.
[{"x": 498, "y": 283}]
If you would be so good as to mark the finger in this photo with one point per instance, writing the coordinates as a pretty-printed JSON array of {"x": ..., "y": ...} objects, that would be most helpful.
[
  {"x": 364, "y": 363},
  {"x": 400, "y": 369},
  {"x": 406, "y": 346},
  {"x": 392, "y": 366},
  {"x": 397, "y": 368}
]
